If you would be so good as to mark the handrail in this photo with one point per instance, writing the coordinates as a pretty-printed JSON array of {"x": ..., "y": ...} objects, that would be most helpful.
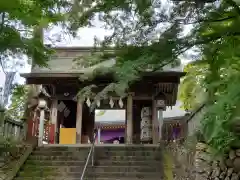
[{"x": 91, "y": 153}]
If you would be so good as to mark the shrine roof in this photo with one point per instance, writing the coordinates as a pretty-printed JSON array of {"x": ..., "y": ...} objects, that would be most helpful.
[
  {"x": 74, "y": 78},
  {"x": 109, "y": 75},
  {"x": 62, "y": 66},
  {"x": 63, "y": 63}
]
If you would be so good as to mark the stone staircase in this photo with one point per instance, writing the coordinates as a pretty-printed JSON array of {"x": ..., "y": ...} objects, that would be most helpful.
[{"x": 111, "y": 163}]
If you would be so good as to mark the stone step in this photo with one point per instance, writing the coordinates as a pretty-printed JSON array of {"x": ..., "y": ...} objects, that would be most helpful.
[
  {"x": 116, "y": 175},
  {"x": 62, "y": 148},
  {"x": 101, "y": 148},
  {"x": 97, "y": 151},
  {"x": 53, "y": 173},
  {"x": 94, "y": 169},
  {"x": 152, "y": 163},
  {"x": 54, "y": 163},
  {"x": 97, "y": 163},
  {"x": 55, "y": 169},
  {"x": 111, "y": 163},
  {"x": 97, "y": 157},
  {"x": 60, "y": 153},
  {"x": 76, "y": 171},
  {"x": 124, "y": 178},
  {"x": 56, "y": 158},
  {"x": 90, "y": 175},
  {"x": 102, "y": 168},
  {"x": 145, "y": 168},
  {"x": 127, "y": 158},
  {"x": 96, "y": 178}
]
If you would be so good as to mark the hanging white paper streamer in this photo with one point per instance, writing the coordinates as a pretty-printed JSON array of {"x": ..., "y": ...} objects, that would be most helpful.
[
  {"x": 88, "y": 102},
  {"x": 120, "y": 103},
  {"x": 98, "y": 103},
  {"x": 111, "y": 103}
]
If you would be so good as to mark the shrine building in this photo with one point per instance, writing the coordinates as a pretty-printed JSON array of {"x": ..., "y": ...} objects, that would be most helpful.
[{"x": 57, "y": 116}]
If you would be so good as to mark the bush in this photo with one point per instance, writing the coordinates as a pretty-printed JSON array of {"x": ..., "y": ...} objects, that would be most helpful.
[
  {"x": 183, "y": 157},
  {"x": 6, "y": 145}
]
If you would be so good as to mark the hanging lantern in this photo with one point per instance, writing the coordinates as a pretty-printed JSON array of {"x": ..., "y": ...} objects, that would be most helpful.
[
  {"x": 120, "y": 103},
  {"x": 111, "y": 103},
  {"x": 88, "y": 102}
]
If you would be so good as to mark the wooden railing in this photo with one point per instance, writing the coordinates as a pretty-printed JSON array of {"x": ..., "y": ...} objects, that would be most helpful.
[{"x": 13, "y": 129}]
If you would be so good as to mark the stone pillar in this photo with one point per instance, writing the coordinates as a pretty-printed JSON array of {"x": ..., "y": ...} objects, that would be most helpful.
[
  {"x": 155, "y": 123},
  {"x": 54, "y": 113},
  {"x": 41, "y": 127},
  {"x": 99, "y": 135},
  {"x": 129, "y": 119},
  {"x": 79, "y": 121}
]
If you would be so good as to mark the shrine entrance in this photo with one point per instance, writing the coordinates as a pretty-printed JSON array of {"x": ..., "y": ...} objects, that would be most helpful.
[
  {"x": 110, "y": 125},
  {"x": 72, "y": 121}
]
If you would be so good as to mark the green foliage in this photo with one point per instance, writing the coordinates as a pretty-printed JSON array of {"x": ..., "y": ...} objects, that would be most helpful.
[
  {"x": 139, "y": 45},
  {"x": 20, "y": 28},
  {"x": 6, "y": 144},
  {"x": 18, "y": 102},
  {"x": 222, "y": 77},
  {"x": 192, "y": 91}
]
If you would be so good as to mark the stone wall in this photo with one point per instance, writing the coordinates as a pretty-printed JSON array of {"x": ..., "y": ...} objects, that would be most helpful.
[{"x": 208, "y": 167}]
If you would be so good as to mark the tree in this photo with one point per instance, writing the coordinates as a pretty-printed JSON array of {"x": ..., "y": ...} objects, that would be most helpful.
[
  {"x": 139, "y": 43},
  {"x": 19, "y": 29},
  {"x": 192, "y": 91},
  {"x": 222, "y": 77},
  {"x": 145, "y": 35},
  {"x": 18, "y": 102}
]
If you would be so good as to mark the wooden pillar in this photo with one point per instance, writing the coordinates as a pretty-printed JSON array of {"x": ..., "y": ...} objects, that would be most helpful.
[
  {"x": 160, "y": 124},
  {"x": 137, "y": 121},
  {"x": 155, "y": 123},
  {"x": 79, "y": 121},
  {"x": 129, "y": 119},
  {"x": 54, "y": 113}
]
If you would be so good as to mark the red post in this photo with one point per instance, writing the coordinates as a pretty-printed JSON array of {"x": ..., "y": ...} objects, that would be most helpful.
[{"x": 51, "y": 133}]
